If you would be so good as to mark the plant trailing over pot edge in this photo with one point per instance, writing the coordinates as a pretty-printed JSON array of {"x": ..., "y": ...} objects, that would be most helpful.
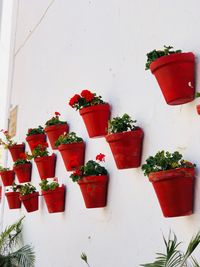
[
  {"x": 7, "y": 176},
  {"x": 54, "y": 128},
  {"x": 125, "y": 140},
  {"x": 72, "y": 149},
  {"x": 93, "y": 181},
  {"x": 29, "y": 197},
  {"x": 94, "y": 111},
  {"x": 12, "y": 195},
  {"x": 35, "y": 135},
  {"x": 174, "y": 72},
  {"x": 173, "y": 181},
  {"x": 23, "y": 168}
]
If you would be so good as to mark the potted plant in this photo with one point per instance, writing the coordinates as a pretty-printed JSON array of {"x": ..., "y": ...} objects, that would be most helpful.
[
  {"x": 173, "y": 181},
  {"x": 54, "y": 128},
  {"x": 93, "y": 181},
  {"x": 35, "y": 135},
  {"x": 14, "y": 148},
  {"x": 29, "y": 197},
  {"x": 45, "y": 164},
  {"x": 174, "y": 72},
  {"x": 125, "y": 140},
  {"x": 72, "y": 149},
  {"x": 54, "y": 195},
  {"x": 23, "y": 168},
  {"x": 94, "y": 111},
  {"x": 12, "y": 195},
  {"x": 7, "y": 176}
]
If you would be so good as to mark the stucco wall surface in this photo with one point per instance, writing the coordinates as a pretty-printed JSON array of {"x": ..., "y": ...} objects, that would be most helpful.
[{"x": 62, "y": 47}]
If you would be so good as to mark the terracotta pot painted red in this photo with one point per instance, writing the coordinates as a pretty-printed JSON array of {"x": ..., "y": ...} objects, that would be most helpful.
[
  {"x": 46, "y": 166},
  {"x": 32, "y": 139},
  {"x": 198, "y": 109},
  {"x": 23, "y": 172},
  {"x": 7, "y": 177},
  {"x": 175, "y": 76},
  {"x": 96, "y": 119},
  {"x": 126, "y": 148},
  {"x": 30, "y": 201},
  {"x": 94, "y": 190},
  {"x": 54, "y": 131},
  {"x": 55, "y": 199},
  {"x": 16, "y": 150},
  {"x": 73, "y": 155},
  {"x": 13, "y": 200},
  {"x": 174, "y": 189}
]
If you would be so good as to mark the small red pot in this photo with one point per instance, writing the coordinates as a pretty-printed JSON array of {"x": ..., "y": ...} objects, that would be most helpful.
[
  {"x": 16, "y": 150},
  {"x": 174, "y": 189},
  {"x": 198, "y": 109},
  {"x": 55, "y": 199},
  {"x": 73, "y": 154},
  {"x": 23, "y": 172},
  {"x": 94, "y": 190},
  {"x": 30, "y": 201},
  {"x": 175, "y": 76},
  {"x": 32, "y": 139},
  {"x": 7, "y": 177},
  {"x": 46, "y": 166},
  {"x": 126, "y": 148},
  {"x": 96, "y": 119},
  {"x": 54, "y": 131},
  {"x": 13, "y": 200}
]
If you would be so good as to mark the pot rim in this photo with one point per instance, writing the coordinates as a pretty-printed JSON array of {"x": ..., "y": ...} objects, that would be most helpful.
[
  {"x": 17, "y": 146},
  {"x": 56, "y": 126},
  {"x": 33, "y": 136},
  {"x": 58, "y": 189},
  {"x": 105, "y": 106},
  {"x": 32, "y": 195},
  {"x": 20, "y": 166},
  {"x": 65, "y": 146},
  {"x": 12, "y": 193},
  {"x": 117, "y": 136},
  {"x": 4, "y": 172},
  {"x": 38, "y": 159},
  {"x": 93, "y": 178}
]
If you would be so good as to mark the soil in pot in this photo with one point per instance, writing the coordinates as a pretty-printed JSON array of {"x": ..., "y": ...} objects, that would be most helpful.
[
  {"x": 16, "y": 150},
  {"x": 30, "y": 201},
  {"x": 46, "y": 166},
  {"x": 7, "y": 177},
  {"x": 23, "y": 172},
  {"x": 54, "y": 131}
]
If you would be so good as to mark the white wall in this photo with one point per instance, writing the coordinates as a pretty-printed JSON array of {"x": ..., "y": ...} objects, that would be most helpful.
[{"x": 62, "y": 47}]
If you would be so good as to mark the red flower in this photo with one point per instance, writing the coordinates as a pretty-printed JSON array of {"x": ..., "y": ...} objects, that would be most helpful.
[
  {"x": 57, "y": 113},
  {"x": 77, "y": 173},
  {"x": 5, "y": 133},
  {"x": 55, "y": 179},
  {"x": 22, "y": 156},
  {"x": 100, "y": 157},
  {"x": 74, "y": 100},
  {"x": 29, "y": 130},
  {"x": 87, "y": 95}
]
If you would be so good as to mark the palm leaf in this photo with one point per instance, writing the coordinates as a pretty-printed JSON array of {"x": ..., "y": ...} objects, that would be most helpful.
[{"x": 23, "y": 257}]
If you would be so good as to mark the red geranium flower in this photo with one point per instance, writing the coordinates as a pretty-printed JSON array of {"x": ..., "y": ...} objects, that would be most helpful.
[
  {"x": 74, "y": 100},
  {"x": 87, "y": 95},
  {"x": 100, "y": 157},
  {"x": 57, "y": 113},
  {"x": 77, "y": 173},
  {"x": 55, "y": 179},
  {"x": 29, "y": 130},
  {"x": 22, "y": 156}
]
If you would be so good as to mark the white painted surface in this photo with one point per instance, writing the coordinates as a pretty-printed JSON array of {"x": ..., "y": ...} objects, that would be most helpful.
[{"x": 63, "y": 47}]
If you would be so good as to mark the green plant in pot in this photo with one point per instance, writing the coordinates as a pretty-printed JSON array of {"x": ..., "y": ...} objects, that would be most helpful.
[
  {"x": 72, "y": 149},
  {"x": 54, "y": 127},
  {"x": 12, "y": 196},
  {"x": 54, "y": 195},
  {"x": 174, "y": 72},
  {"x": 125, "y": 140},
  {"x": 23, "y": 168},
  {"x": 93, "y": 181},
  {"x": 7, "y": 176},
  {"x": 173, "y": 181},
  {"x": 94, "y": 111},
  {"x": 29, "y": 197},
  {"x": 35, "y": 135},
  {"x": 14, "y": 148}
]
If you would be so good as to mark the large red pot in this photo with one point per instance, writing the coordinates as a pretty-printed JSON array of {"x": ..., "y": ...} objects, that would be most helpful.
[
  {"x": 16, "y": 150},
  {"x": 30, "y": 201},
  {"x": 174, "y": 189},
  {"x": 94, "y": 190},
  {"x": 54, "y": 131},
  {"x": 175, "y": 76},
  {"x": 7, "y": 177},
  {"x": 73, "y": 155},
  {"x": 46, "y": 166},
  {"x": 34, "y": 138},
  {"x": 55, "y": 199},
  {"x": 96, "y": 119},
  {"x": 23, "y": 172},
  {"x": 13, "y": 200},
  {"x": 126, "y": 148}
]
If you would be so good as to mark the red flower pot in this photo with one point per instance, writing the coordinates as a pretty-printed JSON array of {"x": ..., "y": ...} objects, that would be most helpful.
[
  {"x": 46, "y": 166},
  {"x": 54, "y": 131},
  {"x": 13, "y": 200},
  {"x": 175, "y": 76},
  {"x": 32, "y": 139},
  {"x": 7, "y": 177},
  {"x": 126, "y": 148},
  {"x": 23, "y": 172},
  {"x": 174, "y": 189},
  {"x": 73, "y": 155},
  {"x": 96, "y": 119},
  {"x": 16, "y": 150},
  {"x": 30, "y": 201},
  {"x": 198, "y": 109},
  {"x": 94, "y": 190},
  {"x": 55, "y": 199}
]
